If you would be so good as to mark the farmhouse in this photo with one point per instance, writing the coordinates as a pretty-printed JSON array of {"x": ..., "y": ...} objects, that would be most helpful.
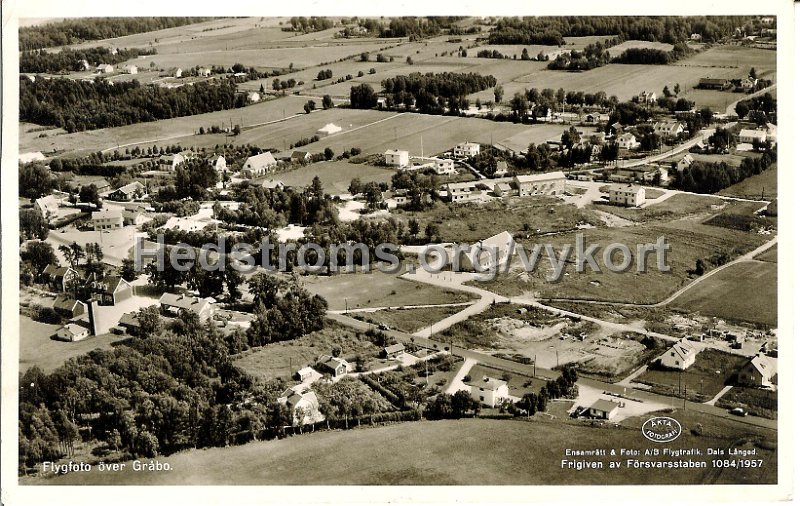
[
  {"x": 48, "y": 206},
  {"x": 502, "y": 169},
  {"x": 467, "y": 149},
  {"x": 685, "y": 162},
  {"x": 747, "y": 136},
  {"x": 329, "y": 129},
  {"x": 709, "y": 83},
  {"x": 133, "y": 216},
  {"x": 253, "y": 97},
  {"x": 493, "y": 252},
  {"x": 394, "y": 351},
  {"x": 617, "y": 129},
  {"x": 304, "y": 374},
  {"x": 107, "y": 219},
  {"x": 489, "y": 391},
  {"x": 627, "y": 141},
  {"x": 72, "y": 332},
  {"x": 129, "y": 322},
  {"x": 258, "y": 165},
  {"x": 172, "y": 161},
  {"x": 69, "y": 307},
  {"x": 204, "y": 72},
  {"x": 294, "y": 156},
  {"x": 681, "y": 356},
  {"x": 502, "y": 190},
  {"x": 105, "y": 68},
  {"x": 758, "y": 372},
  {"x": 632, "y": 174},
  {"x": 130, "y": 69},
  {"x": 549, "y": 183},
  {"x": 112, "y": 290},
  {"x": 396, "y": 157},
  {"x": 59, "y": 277},
  {"x": 669, "y": 128},
  {"x": 334, "y": 366},
  {"x": 463, "y": 192},
  {"x": 646, "y": 97},
  {"x": 128, "y": 192},
  {"x": 603, "y": 409},
  {"x": 171, "y": 304},
  {"x": 302, "y": 404},
  {"x": 596, "y": 117},
  {"x": 218, "y": 162},
  {"x": 630, "y": 195}
]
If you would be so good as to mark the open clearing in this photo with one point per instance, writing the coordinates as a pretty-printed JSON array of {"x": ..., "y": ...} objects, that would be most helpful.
[
  {"x": 512, "y": 452},
  {"x": 334, "y": 175},
  {"x": 37, "y": 349},
  {"x": 409, "y": 320},
  {"x": 376, "y": 289},
  {"x": 762, "y": 186},
  {"x": 729, "y": 293},
  {"x": 617, "y": 50}
]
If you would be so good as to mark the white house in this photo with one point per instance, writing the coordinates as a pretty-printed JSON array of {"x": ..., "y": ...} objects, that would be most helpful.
[
  {"x": 72, "y": 332},
  {"x": 329, "y": 129},
  {"x": 218, "y": 162},
  {"x": 489, "y": 391},
  {"x": 396, "y": 157},
  {"x": 627, "y": 141},
  {"x": 747, "y": 136},
  {"x": 302, "y": 404},
  {"x": 259, "y": 165},
  {"x": 35, "y": 156},
  {"x": 105, "y": 68},
  {"x": 444, "y": 166},
  {"x": 305, "y": 373},
  {"x": 178, "y": 72},
  {"x": 467, "y": 149},
  {"x": 463, "y": 192},
  {"x": 646, "y": 97},
  {"x": 491, "y": 253},
  {"x": 681, "y": 356},
  {"x": 253, "y": 96},
  {"x": 685, "y": 162},
  {"x": 549, "y": 183},
  {"x": 630, "y": 195},
  {"x": 130, "y": 69},
  {"x": 670, "y": 128},
  {"x": 128, "y": 192},
  {"x": 172, "y": 161},
  {"x": 204, "y": 72},
  {"x": 48, "y": 206},
  {"x": 107, "y": 219},
  {"x": 603, "y": 409},
  {"x": 758, "y": 372},
  {"x": 172, "y": 304}
]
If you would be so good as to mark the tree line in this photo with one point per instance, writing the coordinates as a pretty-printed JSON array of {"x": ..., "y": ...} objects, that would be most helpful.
[
  {"x": 67, "y": 60},
  {"x": 78, "y": 105},
  {"x": 707, "y": 177},
  {"x": 652, "y": 56},
  {"x": 73, "y": 31}
]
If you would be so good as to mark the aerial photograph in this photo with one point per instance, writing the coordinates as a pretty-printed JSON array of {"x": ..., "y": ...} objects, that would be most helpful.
[{"x": 422, "y": 250}]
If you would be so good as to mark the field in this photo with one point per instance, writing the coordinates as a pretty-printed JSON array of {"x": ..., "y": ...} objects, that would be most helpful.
[
  {"x": 284, "y": 358},
  {"x": 448, "y": 452},
  {"x": 335, "y": 176},
  {"x": 755, "y": 401},
  {"x": 409, "y": 320},
  {"x": 617, "y": 50},
  {"x": 762, "y": 186},
  {"x": 36, "y": 348},
  {"x": 771, "y": 255},
  {"x": 702, "y": 381},
  {"x": 377, "y": 289},
  {"x": 729, "y": 293}
]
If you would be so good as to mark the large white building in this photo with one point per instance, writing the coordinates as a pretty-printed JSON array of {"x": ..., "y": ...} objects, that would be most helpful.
[
  {"x": 107, "y": 219},
  {"x": 629, "y": 196},
  {"x": 549, "y": 183},
  {"x": 681, "y": 356},
  {"x": 463, "y": 192},
  {"x": 467, "y": 149},
  {"x": 493, "y": 253},
  {"x": 747, "y": 136},
  {"x": 489, "y": 391},
  {"x": 259, "y": 165},
  {"x": 396, "y": 157},
  {"x": 627, "y": 141}
]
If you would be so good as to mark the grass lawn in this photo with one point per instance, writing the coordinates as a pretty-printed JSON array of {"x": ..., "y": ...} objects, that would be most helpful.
[
  {"x": 376, "y": 289},
  {"x": 617, "y": 50},
  {"x": 702, "y": 380},
  {"x": 36, "y": 348},
  {"x": 747, "y": 291},
  {"x": 771, "y": 255},
  {"x": 457, "y": 452},
  {"x": 284, "y": 358},
  {"x": 762, "y": 186},
  {"x": 409, "y": 320},
  {"x": 335, "y": 176},
  {"x": 755, "y": 401}
]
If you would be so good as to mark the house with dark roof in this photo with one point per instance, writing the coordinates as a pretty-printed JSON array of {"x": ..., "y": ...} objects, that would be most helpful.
[
  {"x": 603, "y": 409},
  {"x": 171, "y": 304},
  {"x": 394, "y": 351},
  {"x": 59, "y": 278},
  {"x": 69, "y": 307},
  {"x": 111, "y": 290},
  {"x": 128, "y": 193},
  {"x": 334, "y": 366},
  {"x": 760, "y": 371}
]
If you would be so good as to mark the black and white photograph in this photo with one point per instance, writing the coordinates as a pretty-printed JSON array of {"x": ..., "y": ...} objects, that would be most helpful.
[{"x": 401, "y": 249}]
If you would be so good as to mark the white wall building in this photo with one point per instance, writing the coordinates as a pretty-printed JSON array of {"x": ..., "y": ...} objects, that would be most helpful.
[
  {"x": 629, "y": 196},
  {"x": 467, "y": 149},
  {"x": 107, "y": 219},
  {"x": 396, "y": 157}
]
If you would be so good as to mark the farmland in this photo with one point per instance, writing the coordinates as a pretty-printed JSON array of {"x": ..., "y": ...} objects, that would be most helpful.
[
  {"x": 728, "y": 294},
  {"x": 335, "y": 176},
  {"x": 376, "y": 289},
  {"x": 761, "y": 186},
  {"x": 409, "y": 319},
  {"x": 513, "y": 452},
  {"x": 617, "y": 50}
]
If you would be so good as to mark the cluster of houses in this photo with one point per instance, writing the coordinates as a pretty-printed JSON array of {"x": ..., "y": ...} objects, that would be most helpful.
[
  {"x": 549, "y": 183},
  {"x": 403, "y": 161},
  {"x": 759, "y": 371}
]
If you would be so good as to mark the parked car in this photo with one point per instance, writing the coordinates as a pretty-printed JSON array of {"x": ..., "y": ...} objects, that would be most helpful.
[{"x": 738, "y": 412}]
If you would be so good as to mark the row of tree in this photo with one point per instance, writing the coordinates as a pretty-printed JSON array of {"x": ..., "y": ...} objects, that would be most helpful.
[
  {"x": 707, "y": 177},
  {"x": 67, "y": 60}
]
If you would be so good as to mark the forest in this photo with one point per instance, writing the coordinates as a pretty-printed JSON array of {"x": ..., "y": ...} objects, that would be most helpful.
[
  {"x": 73, "y": 31},
  {"x": 77, "y": 105},
  {"x": 551, "y": 30},
  {"x": 707, "y": 177},
  {"x": 67, "y": 60}
]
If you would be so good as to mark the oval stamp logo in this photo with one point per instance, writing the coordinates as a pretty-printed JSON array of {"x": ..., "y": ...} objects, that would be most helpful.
[{"x": 661, "y": 429}]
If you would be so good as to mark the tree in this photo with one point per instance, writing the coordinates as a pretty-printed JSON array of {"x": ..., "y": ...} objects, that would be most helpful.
[
  {"x": 413, "y": 227},
  {"x": 35, "y": 180},
  {"x": 90, "y": 195},
  {"x": 73, "y": 253},
  {"x": 265, "y": 288},
  {"x": 355, "y": 187},
  {"x": 409, "y": 60},
  {"x": 39, "y": 255},
  {"x": 431, "y": 230},
  {"x": 753, "y": 74},
  {"x": 498, "y": 94},
  {"x": 676, "y": 89},
  {"x": 32, "y": 225},
  {"x": 742, "y": 109},
  {"x": 128, "y": 270},
  {"x": 365, "y": 56},
  {"x": 150, "y": 323},
  {"x": 570, "y": 138},
  {"x": 327, "y": 102},
  {"x": 666, "y": 91},
  {"x": 363, "y": 97},
  {"x": 328, "y": 153}
]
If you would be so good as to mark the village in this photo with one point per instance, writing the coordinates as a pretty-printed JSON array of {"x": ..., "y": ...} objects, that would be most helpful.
[{"x": 314, "y": 159}]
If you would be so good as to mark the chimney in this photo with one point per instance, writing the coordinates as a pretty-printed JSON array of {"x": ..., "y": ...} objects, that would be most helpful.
[{"x": 92, "y": 306}]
